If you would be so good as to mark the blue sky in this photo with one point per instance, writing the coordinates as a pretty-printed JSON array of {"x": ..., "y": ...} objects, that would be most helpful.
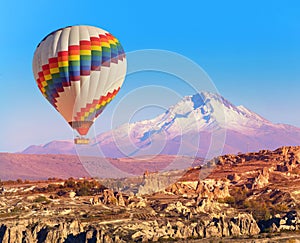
[{"x": 250, "y": 49}]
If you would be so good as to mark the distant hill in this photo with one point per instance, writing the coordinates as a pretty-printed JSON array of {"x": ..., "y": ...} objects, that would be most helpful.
[
  {"x": 42, "y": 167},
  {"x": 39, "y": 167}
]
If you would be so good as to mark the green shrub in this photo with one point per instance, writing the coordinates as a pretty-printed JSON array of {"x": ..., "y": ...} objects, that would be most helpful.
[
  {"x": 40, "y": 199},
  {"x": 70, "y": 183},
  {"x": 61, "y": 192},
  {"x": 19, "y": 181},
  {"x": 229, "y": 200},
  {"x": 52, "y": 187},
  {"x": 83, "y": 191},
  {"x": 281, "y": 208}
]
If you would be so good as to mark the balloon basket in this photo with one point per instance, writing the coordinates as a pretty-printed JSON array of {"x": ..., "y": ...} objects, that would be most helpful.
[{"x": 81, "y": 141}]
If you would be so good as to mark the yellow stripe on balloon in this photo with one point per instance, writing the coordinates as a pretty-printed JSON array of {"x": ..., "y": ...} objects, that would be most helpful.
[
  {"x": 54, "y": 70},
  {"x": 111, "y": 42},
  {"x": 74, "y": 58},
  {"x": 48, "y": 77},
  {"x": 63, "y": 64},
  {"x": 96, "y": 48},
  {"x": 85, "y": 52},
  {"x": 105, "y": 44}
]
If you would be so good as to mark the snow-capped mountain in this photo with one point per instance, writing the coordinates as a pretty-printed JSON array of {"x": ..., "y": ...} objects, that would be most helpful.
[{"x": 204, "y": 124}]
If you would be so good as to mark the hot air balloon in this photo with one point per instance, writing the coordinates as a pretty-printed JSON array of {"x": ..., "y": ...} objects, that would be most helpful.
[{"x": 79, "y": 70}]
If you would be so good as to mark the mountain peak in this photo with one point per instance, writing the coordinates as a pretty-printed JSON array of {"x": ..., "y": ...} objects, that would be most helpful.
[
  {"x": 203, "y": 113},
  {"x": 211, "y": 108}
]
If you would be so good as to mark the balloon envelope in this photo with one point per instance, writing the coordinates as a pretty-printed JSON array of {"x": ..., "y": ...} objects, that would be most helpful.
[{"x": 79, "y": 70}]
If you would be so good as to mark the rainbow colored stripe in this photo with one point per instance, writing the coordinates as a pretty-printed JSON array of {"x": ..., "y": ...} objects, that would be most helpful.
[
  {"x": 93, "y": 110},
  {"x": 79, "y": 60}
]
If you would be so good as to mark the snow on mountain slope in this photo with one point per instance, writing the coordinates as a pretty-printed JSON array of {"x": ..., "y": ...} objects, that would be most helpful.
[{"x": 193, "y": 126}]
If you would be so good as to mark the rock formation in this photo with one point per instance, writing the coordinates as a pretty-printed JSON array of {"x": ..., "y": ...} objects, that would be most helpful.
[{"x": 244, "y": 195}]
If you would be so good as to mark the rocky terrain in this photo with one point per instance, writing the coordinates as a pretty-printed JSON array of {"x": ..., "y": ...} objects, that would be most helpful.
[{"x": 252, "y": 197}]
